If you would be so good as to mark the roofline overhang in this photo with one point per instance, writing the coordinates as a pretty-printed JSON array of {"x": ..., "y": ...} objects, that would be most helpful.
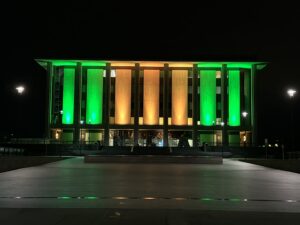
[{"x": 200, "y": 64}]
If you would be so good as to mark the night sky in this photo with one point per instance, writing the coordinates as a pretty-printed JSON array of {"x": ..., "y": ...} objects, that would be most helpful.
[{"x": 150, "y": 31}]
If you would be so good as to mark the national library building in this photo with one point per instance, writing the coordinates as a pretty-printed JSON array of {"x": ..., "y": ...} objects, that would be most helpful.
[{"x": 151, "y": 103}]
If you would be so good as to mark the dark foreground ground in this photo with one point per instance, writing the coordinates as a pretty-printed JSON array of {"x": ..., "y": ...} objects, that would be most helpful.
[
  {"x": 292, "y": 165},
  {"x": 72, "y": 192},
  {"x": 16, "y": 162},
  {"x": 142, "y": 216}
]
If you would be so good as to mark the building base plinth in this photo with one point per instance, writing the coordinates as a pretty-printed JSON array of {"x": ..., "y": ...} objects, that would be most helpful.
[{"x": 153, "y": 159}]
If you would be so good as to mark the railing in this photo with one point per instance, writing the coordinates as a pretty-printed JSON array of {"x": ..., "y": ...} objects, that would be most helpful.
[
  {"x": 67, "y": 148},
  {"x": 11, "y": 151}
]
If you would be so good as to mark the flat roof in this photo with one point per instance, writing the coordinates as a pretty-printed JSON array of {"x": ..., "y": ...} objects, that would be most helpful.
[{"x": 200, "y": 64}]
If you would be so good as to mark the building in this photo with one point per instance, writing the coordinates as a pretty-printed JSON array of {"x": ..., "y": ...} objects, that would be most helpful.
[{"x": 130, "y": 103}]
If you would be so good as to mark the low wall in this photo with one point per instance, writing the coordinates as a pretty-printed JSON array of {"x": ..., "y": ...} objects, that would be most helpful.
[{"x": 153, "y": 159}]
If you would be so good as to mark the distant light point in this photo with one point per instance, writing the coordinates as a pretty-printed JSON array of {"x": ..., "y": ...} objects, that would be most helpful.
[
  {"x": 20, "y": 89},
  {"x": 291, "y": 92},
  {"x": 244, "y": 114}
]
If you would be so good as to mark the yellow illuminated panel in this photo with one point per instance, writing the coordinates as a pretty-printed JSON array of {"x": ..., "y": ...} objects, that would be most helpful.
[
  {"x": 151, "y": 64},
  {"x": 179, "y": 97},
  {"x": 161, "y": 121},
  {"x": 123, "y": 96},
  {"x": 181, "y": 65},
  {"x": 122, "y": 64},
  {"x": 151, "y": 97}
]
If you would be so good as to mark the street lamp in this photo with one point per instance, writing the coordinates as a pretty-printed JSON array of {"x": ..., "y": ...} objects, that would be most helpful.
[
  {"x": 291, "y": 93},
  {"x": 20, "y": 89},
  {"x": 244, "y": 114}
]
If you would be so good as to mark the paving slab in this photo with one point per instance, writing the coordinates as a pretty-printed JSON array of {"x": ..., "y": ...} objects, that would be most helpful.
[{"x": 232, "y": 186}]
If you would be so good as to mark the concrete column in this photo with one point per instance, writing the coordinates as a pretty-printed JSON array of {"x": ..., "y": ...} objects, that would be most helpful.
[
  {"x": 195, "y": 106},
  {"x": 224, "y": 103},
  {"x": 165, "y": 104},
  {"x": 136, "y": 103},
  {"x": 247, "y": 97},
  {"x": 106, "y": 98},
  {"x": 242, "y": 99},
  {"x": 49, "y": 104},
  {"x": 253, "y": 105},
  {"x": 77, "y": 103}
]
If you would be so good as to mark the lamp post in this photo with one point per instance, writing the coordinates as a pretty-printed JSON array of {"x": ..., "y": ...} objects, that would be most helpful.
[
  {"x": 244, "y": 114},
  {"x": 291, "y": 93},
  {"x": 89, "y": 131},
  {"x": 222, "y": 124},
  {"x": 20, "y": 90}
]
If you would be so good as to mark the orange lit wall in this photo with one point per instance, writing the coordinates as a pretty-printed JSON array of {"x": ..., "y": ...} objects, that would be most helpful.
[
  {"x": 123, "y": 96},
  {"x": 179, "y": 97},
  {"x": 151, "y": 97},
  {"x": 190, "y": 65}
]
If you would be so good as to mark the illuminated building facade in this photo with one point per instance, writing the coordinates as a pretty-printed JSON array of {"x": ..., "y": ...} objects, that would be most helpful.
[{"x": 142, "y": 103}]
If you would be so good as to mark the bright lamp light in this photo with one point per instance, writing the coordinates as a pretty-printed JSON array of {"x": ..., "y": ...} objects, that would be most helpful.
[
  {"x": 244, "y": 114},
  {"x": 20, "y": 89},
  {"x": 291, "y": 92}
]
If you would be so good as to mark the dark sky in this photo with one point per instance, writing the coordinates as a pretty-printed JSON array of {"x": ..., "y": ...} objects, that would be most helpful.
[{"x": 154, "y": 31}]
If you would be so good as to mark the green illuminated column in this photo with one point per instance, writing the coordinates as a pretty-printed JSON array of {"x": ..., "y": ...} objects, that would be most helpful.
[
  {"x": 94, "y": 96},
  {"x": 207, "y": 97},
  {"x": 68, "y": 96},
  {"x": 234, "y": 97}
]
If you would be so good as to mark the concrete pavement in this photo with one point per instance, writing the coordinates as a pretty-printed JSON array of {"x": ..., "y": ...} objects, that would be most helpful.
[
  {"x": 142, "y": 216},
  {"x": 154, "y": 190}
]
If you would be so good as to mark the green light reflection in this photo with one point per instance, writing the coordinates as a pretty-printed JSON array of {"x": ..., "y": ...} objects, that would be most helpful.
[
  {"x": 64, "y": 197},
  {"x": 91, "y": 197}
]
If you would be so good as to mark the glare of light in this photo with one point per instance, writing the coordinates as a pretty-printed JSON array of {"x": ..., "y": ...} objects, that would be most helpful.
[
  {"x": 206, "y": 199},
  {"x": 61, "y": 112},
  {"x": 56, "y": 135},
  {"x": 90, "y": 197},
  {"x": 222, "y": 124},
  {"x": 112, "y": 73},
  {"x": 270, "y": 145},
  {"x": 160, "y": 143},
  {"x": 20, "y": 89},
  {"x": 120, "y": 198},
  {"x": 149, "y": 198},
  {"x": 180, "y": 199},
  {"x": 244, "y": 114},
  {"x": 64, "y": 197},
  {"x": 291, "y": 200},
  {"x": 291, "y": 92},
  {"x": 81, "y": 121},
  {"x": 276, "y": 145}
]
